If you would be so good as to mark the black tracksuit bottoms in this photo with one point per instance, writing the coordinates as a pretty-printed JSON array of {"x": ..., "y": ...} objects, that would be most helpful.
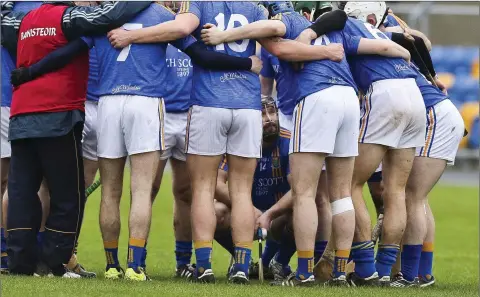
[{"x": 59, "y": 160}]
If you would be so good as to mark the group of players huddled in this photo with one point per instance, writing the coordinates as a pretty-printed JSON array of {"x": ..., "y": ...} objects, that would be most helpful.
[{"x": 357, "y": 101}]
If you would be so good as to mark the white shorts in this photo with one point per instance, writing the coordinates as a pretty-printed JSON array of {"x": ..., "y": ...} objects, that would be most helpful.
[
  {"x": 327, "y": 122},
  {"x": 129, "y": 125},
  {"x": 444, "y": 132},
  {"x": 5, "y": 123},
  {"x": 286, "y": 121},
  {"x": 215, "y": 131},
  {"x": 89, "y": 139},
  {"x": 175, "y": 130},
  {"x": 393, "y": 114}
]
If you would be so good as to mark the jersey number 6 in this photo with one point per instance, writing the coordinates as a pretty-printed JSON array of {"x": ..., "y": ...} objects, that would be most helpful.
[
  {"x": 220, "y": 18},
  {"x": 126, "y": 50}
]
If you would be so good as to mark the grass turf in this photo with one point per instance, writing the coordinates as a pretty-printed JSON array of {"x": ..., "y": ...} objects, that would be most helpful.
[{"x": 456, "y": 257}]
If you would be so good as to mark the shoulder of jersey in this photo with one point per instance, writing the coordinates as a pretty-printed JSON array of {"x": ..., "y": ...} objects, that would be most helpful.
[
  {"x": 284, "y": 133},
  {"x": 166, "y": 8},
  {"x": 185, "y": 6}
]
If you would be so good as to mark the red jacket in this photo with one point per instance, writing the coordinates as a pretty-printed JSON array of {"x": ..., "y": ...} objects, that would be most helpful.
[{"x": 65, "y": 89}]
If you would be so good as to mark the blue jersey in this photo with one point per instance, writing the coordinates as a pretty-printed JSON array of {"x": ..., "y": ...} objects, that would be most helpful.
[
  {"x": 179, "y": 85},
  {"x": 367, "y": 69},
  {"x": 234, "y": 89},
  {"x": 285, "y": 76},
  {"x": 92, "y": 88},
  {"x": 431, "y": 94},
  {"x": 390, "y": 21},
  {"x": 270, "y": 180},
  {"x": 319, "y": 75},
  {"x": 7, "y": 62},
  {"x": 138, "y": 69}
]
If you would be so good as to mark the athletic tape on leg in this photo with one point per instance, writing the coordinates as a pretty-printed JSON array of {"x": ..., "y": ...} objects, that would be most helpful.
[{"x": 342, "y": 205}]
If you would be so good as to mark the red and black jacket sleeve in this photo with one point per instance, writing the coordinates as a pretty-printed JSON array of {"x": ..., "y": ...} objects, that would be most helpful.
[{"x": 81, "y": 21}]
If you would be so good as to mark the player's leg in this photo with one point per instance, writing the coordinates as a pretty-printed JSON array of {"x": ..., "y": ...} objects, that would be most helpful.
[
  {"x": 25, "y": 176},
  {"x": 63, "y": 171},
  {"x": 44, "y": 196},
  {"x": 90, "y": 167},
  {"x": 4, "y": 168},
  {"x": 375, "y": 187},
  {"x": 443, "y": 135},
  {"x": 243, "y": 148},
  {"x": 5, "y": 164},
  {"x": 143, "y": 127},
  {"x": 426, "y": 260},
  {"x": 281, "y": 233},
  {"x": 425, "y": 174},
  {"x": 381, "y": 126},
  {"x": 324, "y": 212},
  {"x": 339, "y": 178},
  {"x": 111, "y": 157},
  {"x": 182, "y": 225},
  {"x": 308, "y": 148},
  {"x": 397, "y": 166},
  {"x": 206, "y": 139}
]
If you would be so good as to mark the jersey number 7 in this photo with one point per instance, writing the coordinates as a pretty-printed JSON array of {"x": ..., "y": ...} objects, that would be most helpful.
[{"x": 126, "y": 50}]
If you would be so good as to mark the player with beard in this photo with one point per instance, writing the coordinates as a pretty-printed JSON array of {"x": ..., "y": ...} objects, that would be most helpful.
[{"x": 271, "y": 197}]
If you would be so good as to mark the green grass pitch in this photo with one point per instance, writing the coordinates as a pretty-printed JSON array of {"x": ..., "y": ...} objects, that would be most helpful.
[{"x": 456, "y": 257}]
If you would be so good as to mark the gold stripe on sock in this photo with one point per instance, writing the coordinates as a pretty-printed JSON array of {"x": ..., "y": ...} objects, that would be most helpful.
[
  {"x": 305, "y": 254},
  {"x": 110, "y": 244},
  {"x": 137, "y": 242},
  {"x": 427, "y": 247},
  {"x": 202, "y": 244},
  {"x": 342, "y": 253},
  {"x": 244, "y": 245}
]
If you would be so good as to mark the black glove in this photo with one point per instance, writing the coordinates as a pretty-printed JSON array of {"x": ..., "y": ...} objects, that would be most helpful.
[{"x": 20, "y": 76}]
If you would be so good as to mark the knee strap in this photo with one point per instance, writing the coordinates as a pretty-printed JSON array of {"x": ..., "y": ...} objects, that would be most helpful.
[{"x": 342, "y": 205}]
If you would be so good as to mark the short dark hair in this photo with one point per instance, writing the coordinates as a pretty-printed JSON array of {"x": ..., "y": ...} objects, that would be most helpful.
[{"x": 305, "y": 9}]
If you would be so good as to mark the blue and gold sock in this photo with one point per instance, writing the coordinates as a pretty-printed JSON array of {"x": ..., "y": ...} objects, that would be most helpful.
[
  {"x": 136, "y": 249},
  {"x": 3, "y": 244},
  {"x": 305, "y": 264},
  {"x": 243, "y": 253},
  {"x": 410, "y": 261},
  {"x": 340, "y": 262},
  {"x": 319, "y": 249},
  {"x": 426, "y": 260},
  {"x": 363, "y": 255},
  {"x": 271, "y": 248},
  {"x": 203, "y": 254},
  {"x": 386, "y": 257},
  {"x": 144, "y": 257},
  {"x": 183, "y": 252},
  {"x": 111, "y": 253}
]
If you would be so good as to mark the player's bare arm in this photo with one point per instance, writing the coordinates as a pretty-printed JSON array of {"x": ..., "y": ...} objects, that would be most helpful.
[
  {"x": 183, "y": 25},
  {"x": 268, "y": 33},
  {"x": 382, "y": 47},
  {"x": 257, "y": 30},
  {"x": 293, "y": 51}
]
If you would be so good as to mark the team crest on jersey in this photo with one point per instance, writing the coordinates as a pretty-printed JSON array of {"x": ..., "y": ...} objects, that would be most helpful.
[{"x": 275, "y": 162}]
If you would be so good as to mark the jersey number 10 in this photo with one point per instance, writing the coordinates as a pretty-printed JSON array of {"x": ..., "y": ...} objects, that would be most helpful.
[
  {"x": 220, "y": 18},
  {"x": 126, "y": 50}
]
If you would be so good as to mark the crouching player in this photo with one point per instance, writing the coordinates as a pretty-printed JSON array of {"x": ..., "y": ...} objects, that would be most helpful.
[{"x": 271, "y": 198}]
